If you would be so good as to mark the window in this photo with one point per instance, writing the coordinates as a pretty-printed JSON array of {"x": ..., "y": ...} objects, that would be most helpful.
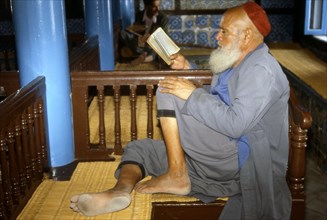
[{"x": 316, "y": 17}]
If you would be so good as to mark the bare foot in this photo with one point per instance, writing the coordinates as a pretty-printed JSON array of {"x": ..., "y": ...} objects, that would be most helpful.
[
  {"x": 91, "y": 204},
  {"x": 165, "y": 184}
]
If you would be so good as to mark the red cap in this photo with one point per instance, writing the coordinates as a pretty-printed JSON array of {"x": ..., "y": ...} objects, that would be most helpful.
[{"x": 258, "y": 17}]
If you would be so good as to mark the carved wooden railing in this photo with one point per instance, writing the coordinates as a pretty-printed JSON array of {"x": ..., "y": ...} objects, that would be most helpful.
[
  {"x": 300, "y": 122},
  {"x": 23, "y": 150},
  {"x": 81, "y": 83}
]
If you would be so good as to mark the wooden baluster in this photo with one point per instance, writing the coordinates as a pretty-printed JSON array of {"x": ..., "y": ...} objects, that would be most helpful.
[
  {"x": 86, "y": 106},
  {"x": 13, "y": 168},
  {"x": 5, "y": 174},
  {"x": 149, "y": 95},
  {"x": 26, "y": 152},
  {"x": 37, "y": 137},
  {"x": 44, "y": 153},
  {"x": 297, "y": 155},
  {"x": 3, "y": 214},
  {"x": 132, "y": 99},
  {"x": 20, "y": 157},
  {"x": 31, "y": 141},
  {"x": 118, "y": 147},
  {"x": 300, "y": 121},
  {"x": 102, "y": 129}
]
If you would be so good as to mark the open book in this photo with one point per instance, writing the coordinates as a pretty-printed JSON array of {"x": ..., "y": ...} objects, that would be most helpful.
[{"x": 162, "y": 44}]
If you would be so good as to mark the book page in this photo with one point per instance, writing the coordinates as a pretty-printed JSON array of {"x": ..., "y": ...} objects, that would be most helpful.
[
  {"x": 158, "y": 49},
  {"x": 163, "y": 45},
  {"x": 167, "y": 43}
]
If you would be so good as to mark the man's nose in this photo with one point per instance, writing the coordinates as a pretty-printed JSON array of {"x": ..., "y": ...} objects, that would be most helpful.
[{"x": 219, "y": 36}]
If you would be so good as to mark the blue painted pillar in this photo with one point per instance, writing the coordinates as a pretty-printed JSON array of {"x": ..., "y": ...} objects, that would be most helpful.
[
  {"x": 106, "y": 36},
  {"x": 91, "y": 17},
  {"x": 127, "y": 11},
  {"x": 99, "y": 21},
  {"x": 41, "y": 44}
]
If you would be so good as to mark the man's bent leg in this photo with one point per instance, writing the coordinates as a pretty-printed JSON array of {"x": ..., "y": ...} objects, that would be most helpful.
[
  {"x": 115, "y": 199},
  {"x": 176, "y": 180}
]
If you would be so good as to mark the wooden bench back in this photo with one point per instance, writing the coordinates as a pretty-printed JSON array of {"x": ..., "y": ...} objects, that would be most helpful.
[
  {"x": 23, "y": 150},
  {"x": 299, "y": 120},
  {"x": 115, "y": 80}
]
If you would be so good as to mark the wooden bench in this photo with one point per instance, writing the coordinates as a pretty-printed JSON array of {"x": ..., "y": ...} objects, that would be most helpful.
[
  {"x": 299, "y": 123},
  {"x": 23, "y": 149},
  {"x": 22, "y": 168},
  {"x": 133, "y": 82}
]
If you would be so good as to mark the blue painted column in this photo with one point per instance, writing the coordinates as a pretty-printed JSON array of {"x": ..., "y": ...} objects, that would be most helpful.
[
  {"x": 127, "y": 11},
  {"x": 99, "y": 21},
  {"x": 41, "y": 46},
  {"x": 91, "y": 17},
  {"x": 106, "y": 36}
]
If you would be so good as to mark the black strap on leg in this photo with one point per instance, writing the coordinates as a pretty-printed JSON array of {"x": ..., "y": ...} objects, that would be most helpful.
[{"x": 135, "y": 163}]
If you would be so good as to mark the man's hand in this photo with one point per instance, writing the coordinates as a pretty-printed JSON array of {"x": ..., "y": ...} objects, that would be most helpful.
[
  {"x": 179, "y": 87},
  {"x": 179, "y": 62}
]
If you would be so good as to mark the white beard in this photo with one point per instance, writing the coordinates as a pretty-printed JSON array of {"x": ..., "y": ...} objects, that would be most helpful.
[{"x": 223, "y": 58}]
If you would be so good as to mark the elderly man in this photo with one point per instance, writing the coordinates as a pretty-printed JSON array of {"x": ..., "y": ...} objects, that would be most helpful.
[{"x": 230, "y": 140}]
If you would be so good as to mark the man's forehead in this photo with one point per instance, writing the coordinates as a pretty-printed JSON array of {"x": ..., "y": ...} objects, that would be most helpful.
[{"x": 226, "y": 24}]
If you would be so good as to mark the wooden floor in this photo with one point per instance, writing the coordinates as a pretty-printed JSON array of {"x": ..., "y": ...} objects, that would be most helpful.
[
  {"x": 51, "y": 199},
  {"x": 304, "y": 64}
]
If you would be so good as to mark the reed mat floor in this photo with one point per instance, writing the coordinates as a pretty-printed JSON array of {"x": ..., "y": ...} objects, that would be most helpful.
[{"x": 51, "y": 200}]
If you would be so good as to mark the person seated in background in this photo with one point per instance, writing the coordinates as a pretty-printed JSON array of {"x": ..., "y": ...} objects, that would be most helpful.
[
  {"x": 230, "y": 140},
  {"x": 146, "y": 21}
]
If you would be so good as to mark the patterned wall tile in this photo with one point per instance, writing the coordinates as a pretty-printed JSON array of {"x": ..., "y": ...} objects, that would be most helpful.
[
  {"x": 175, "y": 22},
  {"x": 167, "y": 5},
  {"x": 164, "y": 5},
  {"x": 281, "y": 28},
  {"x": 202, "y": 21},
  {"x": 177, "y": 36},
  {"x": 200, "y": 29},
  {"x": 203, "y": 38},
  {"x": 188, "y": 37},
  {"x": 215, "y": 21},
  {"x": 277, "y": 3},
  {"x": 210, "y": 4},
  {"x": 189, "y": 22},
  {"x": 196, "y": 30}
]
